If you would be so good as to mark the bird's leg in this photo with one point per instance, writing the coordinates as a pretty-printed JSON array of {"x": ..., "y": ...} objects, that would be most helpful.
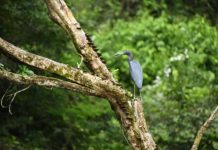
[
  {"x": 134, "y": 93},
  {"x": 140, "y": 95},
  {"x": 133, "y": 100}
]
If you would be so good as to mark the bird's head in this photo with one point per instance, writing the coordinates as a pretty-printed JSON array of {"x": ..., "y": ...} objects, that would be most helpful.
[{"x": 125, "y": 52}]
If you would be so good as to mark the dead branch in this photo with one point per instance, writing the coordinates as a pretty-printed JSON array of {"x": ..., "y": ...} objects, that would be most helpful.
[
  {"x": 13, "y": 97},
  {"x": 4, "y": 95},
  {"x": 203, "y": 129},
  {"x": 61, "y": 14},
  {"x": 49, "y": 65}
]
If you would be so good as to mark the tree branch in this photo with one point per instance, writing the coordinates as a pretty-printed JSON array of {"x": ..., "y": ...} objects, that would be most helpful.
[
  {"x": 61, "y": 14},
  {"x": 106, "y": 87},
  {"x": 48, "y": 82},
  {"x": 49, "y": 65},
  {"x": 13, "y": 97},
  {"x": 203, "y": 129}
]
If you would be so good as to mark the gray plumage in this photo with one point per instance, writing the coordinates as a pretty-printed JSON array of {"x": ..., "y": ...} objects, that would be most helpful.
[
  {"x": 135, "y": 70},
  {"x": 136, "y": 73}
]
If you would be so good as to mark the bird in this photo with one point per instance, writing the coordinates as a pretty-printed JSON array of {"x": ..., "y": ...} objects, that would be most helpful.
[{"x": 135, "y": 70}]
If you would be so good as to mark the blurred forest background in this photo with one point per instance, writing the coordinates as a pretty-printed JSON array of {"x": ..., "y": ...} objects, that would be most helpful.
[{"x": 176, "y": 41}]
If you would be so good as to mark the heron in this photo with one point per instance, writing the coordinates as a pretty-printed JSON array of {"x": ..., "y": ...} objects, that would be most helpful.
[{"x": 135, "y": 70}]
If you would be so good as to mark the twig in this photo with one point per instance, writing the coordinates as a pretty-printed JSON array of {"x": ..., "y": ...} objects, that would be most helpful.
[
  {"x": 2, "y": 105},
  {"x": 203, "y": 129},
  {"x": 14, "y": 95}
]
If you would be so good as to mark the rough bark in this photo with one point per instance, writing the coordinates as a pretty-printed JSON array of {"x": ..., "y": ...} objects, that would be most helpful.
[
  {"x": 47, "y": 81},
  {"x": 75, "y": 75},
  {"x": 100, "y": 84},
  {"x": 61, "y": 14}
]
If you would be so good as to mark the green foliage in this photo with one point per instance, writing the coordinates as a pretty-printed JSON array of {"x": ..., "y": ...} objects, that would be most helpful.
[
  {"x": 180, "y": 61},
  {"x": 1, "y": 66},
  {"x": 23, "y": 70},
  {"x": 92, "y": 13}
]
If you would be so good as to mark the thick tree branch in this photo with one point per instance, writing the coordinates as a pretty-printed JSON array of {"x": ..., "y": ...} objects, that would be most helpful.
[
  {"x": 64, "y": 70},
  {"x": 203, "y": 129},
  {"x": 61, "y": 14},
  {"x": 106, "y": 87},
  {"x": 49, "y": 65},
  {"x": 47, "y": 81}
]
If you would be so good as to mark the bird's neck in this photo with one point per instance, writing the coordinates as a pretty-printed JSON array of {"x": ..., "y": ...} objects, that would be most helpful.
[{"x": 130, "y": 57}]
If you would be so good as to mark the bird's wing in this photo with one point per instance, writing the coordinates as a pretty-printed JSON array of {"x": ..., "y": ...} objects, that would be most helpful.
[{"x": 136, "y": 73}]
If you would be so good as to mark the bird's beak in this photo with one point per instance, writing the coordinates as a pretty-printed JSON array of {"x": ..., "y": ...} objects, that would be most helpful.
[{"x": 118, "y": 53}]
